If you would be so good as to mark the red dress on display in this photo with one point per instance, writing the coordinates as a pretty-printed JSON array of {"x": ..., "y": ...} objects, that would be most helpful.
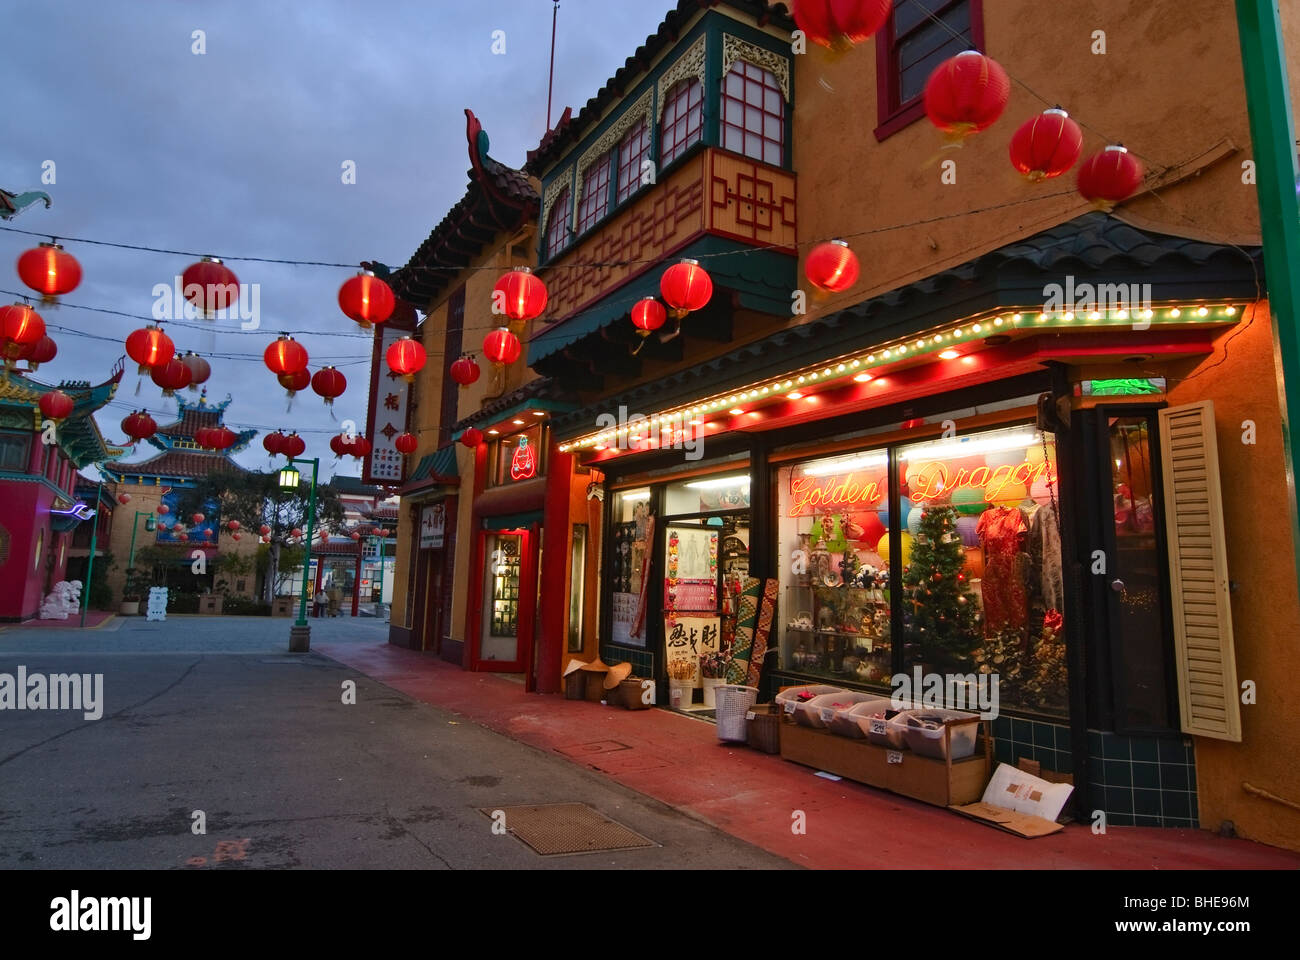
[{"x": 1001, "y": 531}]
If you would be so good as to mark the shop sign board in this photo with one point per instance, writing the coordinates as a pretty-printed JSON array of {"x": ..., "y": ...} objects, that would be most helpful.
[
  {"x": 625, "y": 607},
  {"x": 433, "y": 526},
  {"x": 688, "y": 639}
]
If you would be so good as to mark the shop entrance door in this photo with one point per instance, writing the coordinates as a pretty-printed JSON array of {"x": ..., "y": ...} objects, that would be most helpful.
[
  {"x": 1136, "y": 577},
  {"x": 506, "y": 606}
]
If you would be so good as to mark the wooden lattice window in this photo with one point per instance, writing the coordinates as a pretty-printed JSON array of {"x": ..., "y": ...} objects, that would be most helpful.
[
  {"x": 595, "y": 194},
  {"x": 557, "y": 230},
  {"x": 683, "y": 120},
  {"x": 753, "y": 113},
  {"x": 633, "y": 151}
]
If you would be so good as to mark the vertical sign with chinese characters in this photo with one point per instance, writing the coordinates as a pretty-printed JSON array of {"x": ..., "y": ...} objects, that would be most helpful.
[
  {"x": 389, "y": 402},
  {"x": 686, "y": 639}
]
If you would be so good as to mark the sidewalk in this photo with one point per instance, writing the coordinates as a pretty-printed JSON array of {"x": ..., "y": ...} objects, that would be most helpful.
[
  {"x": 752, "y": 796},
  {"x": 94, "y": 619}
]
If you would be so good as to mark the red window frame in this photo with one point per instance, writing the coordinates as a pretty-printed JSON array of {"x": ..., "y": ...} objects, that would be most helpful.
[
  {"x": 682, "y": 125},
  {"x": 595, "y": 195},
  {"x": 633, "y": 149},
  {"x": 892, "y": 113},
  {"x": 557, "y": 230},
  {"x": 749, "y": 117}
]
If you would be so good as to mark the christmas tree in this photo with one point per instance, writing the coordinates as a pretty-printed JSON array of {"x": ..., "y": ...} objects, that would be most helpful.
[{"x": 942, "y": 620}]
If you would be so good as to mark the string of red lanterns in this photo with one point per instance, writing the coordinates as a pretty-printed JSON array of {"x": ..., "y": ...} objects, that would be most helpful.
[{"x": 49, "y": 270}]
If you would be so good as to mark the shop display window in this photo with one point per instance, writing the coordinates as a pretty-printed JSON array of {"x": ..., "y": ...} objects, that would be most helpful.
[
  {"x": 707, "y": 495},
  {"x": 520, "y": 456},
  {"x": 629, "y": 564},
  {"x": 833, "y": 532},
  {"x": 503, "y": 591},
  {"x": 982, "y": 577}
]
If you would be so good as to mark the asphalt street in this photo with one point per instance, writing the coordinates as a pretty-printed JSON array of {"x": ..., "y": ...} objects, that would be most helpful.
[{"x": 212, "y": 715}]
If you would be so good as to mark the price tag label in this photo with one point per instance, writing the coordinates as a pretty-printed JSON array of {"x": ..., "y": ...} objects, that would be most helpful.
[
  {"x": 894, "y": 756},
  {"x": 750, "y": 715},
  {"x": 789, "y": 706},
  {"x": 878, "y": 727},
  {"x": 828, "y": 714}
]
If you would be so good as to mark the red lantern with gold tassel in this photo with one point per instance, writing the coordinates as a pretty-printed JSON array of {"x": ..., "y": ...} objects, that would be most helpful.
[
  {"x": 293, "y": 446},
  {"x": 200, "y": 369},
  {"x": 502, "y": 347},
  {"x": 686, "y": 287},
  {"x": 273, "y": 443},
  {"x": 285, "y": 355},
  {"x": 171, "y": 376},
  {"x": 340, "y": 444},
  {"x": 21, "y": 328},
  {"x": 42, "y": 351},
  {"x": 293, "y": 382},
  {"x": 1046, "y": 146},
  {"x": 405, "y": 443},
  {"x": 648, "y": 315},
  {"x": 966, "y": 94},
  {"x": 1110, "y": 176},
  {"x": 464, "y": 371},
  {"x": 406, "y": 357},
  {"x": 520, "y": 295},
  {"x": 56, "y": 405},
  {"x": 139, "y": 426},
  {"x": 366, "y": 299},
  {"x": 839, "y": 24},
  {"x": 472, "y": 437},
  {"x": 149, "y": 347},
  {"x": 210, "y": 285},
  {"x": 327, "y": 382},
  {"x": 49, "y": 270}
]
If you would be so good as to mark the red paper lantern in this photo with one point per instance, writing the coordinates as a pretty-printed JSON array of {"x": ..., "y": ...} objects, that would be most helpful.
[
  {"x": 405, "y": 356},
  {"x": 171, "y": 376},
  {"x": 56, "y": 405},
  {"x": 366, "y": 299},
  {"x": 293, "y": 382},
  {"x": 1110, "y": 176},
  {"x": 234, "y": 536},
  {"x": 273, "y": 443},
  {"x": 199, "y": 369},
  {"x": 686, "y": 287},
  {"x": 648, "y": 315},
  {"x": 464, "y": 371},
  {"x": 520, "y": 295},
  {"x": 966, "y": 94},
  {"x": 329, "y": 383},
  {"x": 472, "y": 437},
  {"x": 839, "y": 24},
  {"x": 405, "y": 444},
  {"x": 124, "y": 498},
  {"x": 340, "y": 444},
  {"x": 502, "y": 347},
  {"x": 139, "y": 426},
  {"x": 264, "y": 530},
  {"x": 285, "y": 356},
  {"x": 21, "y": 328},
  {"x": 203, "y": 437},
  {"x": 50, "y": 271},
  {"x": 832, "y": 266},
  {"x": 210, "y": 285},
  {"x": 149, "y": 346},
  {"x": 1046, "y": 146},
  {"x": 197, "y": 518},
  {"x": 232, "y": 525},
  {"x": 359, "y": 447},
  {"x": 356, "y": 536},
  {"x": 293, "y": 446},
  {"x": 222, "y": 438},
  {"x": 183, "y": 537},
  {"x": 42, "y": 351},
  {"x": 163, "y": 509}
]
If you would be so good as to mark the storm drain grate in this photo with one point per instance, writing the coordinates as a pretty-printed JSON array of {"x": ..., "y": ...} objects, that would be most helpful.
[{"x": 559, "y": 828}]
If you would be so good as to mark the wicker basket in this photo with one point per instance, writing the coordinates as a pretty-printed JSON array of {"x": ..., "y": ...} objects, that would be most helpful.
[
  {"x": 763, "y": 728},
  {"x": 734, "y": 701},
  {"x": 575, "y": 685},
  {"x": 595, "y": 685},
  {"x": 630, "y": 694}
]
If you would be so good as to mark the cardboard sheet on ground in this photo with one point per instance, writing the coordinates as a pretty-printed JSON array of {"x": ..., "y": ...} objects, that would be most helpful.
[{"x": 1019, "y": 802}]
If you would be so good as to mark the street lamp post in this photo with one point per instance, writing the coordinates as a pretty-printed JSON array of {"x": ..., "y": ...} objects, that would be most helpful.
[
  {"x": 290, "y": 479},
  {"x": 149, "y": 526}
]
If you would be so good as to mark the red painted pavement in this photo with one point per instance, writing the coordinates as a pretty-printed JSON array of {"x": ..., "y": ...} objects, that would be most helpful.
[
  {"x": 94, "y": 618},
  {"x": 752, "y": 796}
]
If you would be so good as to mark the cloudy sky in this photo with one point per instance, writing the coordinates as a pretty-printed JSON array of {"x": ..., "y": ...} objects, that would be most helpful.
[{"x": 239, "y": 152}]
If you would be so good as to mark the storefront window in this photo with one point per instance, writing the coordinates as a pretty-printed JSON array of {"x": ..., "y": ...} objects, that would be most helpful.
[
  {"x": 982, "y": 578},
  {"x": 707, "y": 495},
  {"x": 629, "y": 565},
  {"x": 833, "y": 535},
  {"x": 500, "y": 641},
  {"x": 519, "y": 456}
]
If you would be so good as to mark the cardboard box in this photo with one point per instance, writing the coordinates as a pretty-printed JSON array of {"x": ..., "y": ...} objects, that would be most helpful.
[{"x": 903, "y": 772}]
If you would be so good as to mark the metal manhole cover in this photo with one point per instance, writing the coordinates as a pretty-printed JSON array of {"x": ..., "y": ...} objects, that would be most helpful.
[{"x": 558, "y": 828}]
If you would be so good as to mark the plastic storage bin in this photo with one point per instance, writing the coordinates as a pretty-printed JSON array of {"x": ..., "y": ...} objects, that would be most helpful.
[
  {"x": 794, "y": 702},
  {"x": 872, "y": 719},
  {"x": 833, "y": 711},
  {"x": 923, "y": 732},
  {"x": 734, "y": 701}
]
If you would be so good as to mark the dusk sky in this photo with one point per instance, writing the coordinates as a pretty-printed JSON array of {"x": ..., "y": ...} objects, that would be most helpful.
[{"x": 239, "y": 152}]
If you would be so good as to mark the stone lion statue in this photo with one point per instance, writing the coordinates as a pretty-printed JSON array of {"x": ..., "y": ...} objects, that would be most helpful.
[{"x": 63, "y": 601}]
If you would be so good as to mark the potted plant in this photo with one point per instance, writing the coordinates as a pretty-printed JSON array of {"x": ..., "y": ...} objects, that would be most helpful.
[
  {"x": 131, "y": 594},
  {"x": 713, "y": 672}
]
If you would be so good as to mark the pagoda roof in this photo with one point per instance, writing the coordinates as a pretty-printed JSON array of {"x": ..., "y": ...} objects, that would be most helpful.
[
  {"x": 78, "y": 435},
  {"x": 194, "y": 416},
  {"x": 175, "y": 464},
  {"x": 499, "y": 199}
]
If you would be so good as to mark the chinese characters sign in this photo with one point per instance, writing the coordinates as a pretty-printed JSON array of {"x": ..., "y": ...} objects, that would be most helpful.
[
  {"x": 433, "y": 525},
  {"x": 688, "y": 639},
  {"x": 389, "y": 401}
]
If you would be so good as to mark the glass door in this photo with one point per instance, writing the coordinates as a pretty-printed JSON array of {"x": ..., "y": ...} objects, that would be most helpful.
[{"x": 503, "y": 556}]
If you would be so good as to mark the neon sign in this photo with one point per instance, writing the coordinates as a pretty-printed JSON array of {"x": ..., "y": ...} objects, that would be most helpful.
[
  {"x": 524, "y": 462},
  {"x": 807, "y": 494},
  {"x": 935, "y": 479}
]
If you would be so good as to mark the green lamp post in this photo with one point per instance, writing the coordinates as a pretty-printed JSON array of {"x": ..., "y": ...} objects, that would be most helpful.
[{"x": 290, "y": 479}]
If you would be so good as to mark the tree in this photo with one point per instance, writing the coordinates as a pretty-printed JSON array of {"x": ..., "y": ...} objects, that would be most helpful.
[
  {"x": 942, "y": 622},
  {"x": 256, "y": 500}
]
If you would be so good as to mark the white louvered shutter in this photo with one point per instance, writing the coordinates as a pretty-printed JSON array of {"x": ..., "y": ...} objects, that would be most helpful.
[{"x": 1198, "y": 573}]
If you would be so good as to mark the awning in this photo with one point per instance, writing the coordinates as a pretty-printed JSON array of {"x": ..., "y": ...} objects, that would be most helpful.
[{"x": 435, "y": 469}]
